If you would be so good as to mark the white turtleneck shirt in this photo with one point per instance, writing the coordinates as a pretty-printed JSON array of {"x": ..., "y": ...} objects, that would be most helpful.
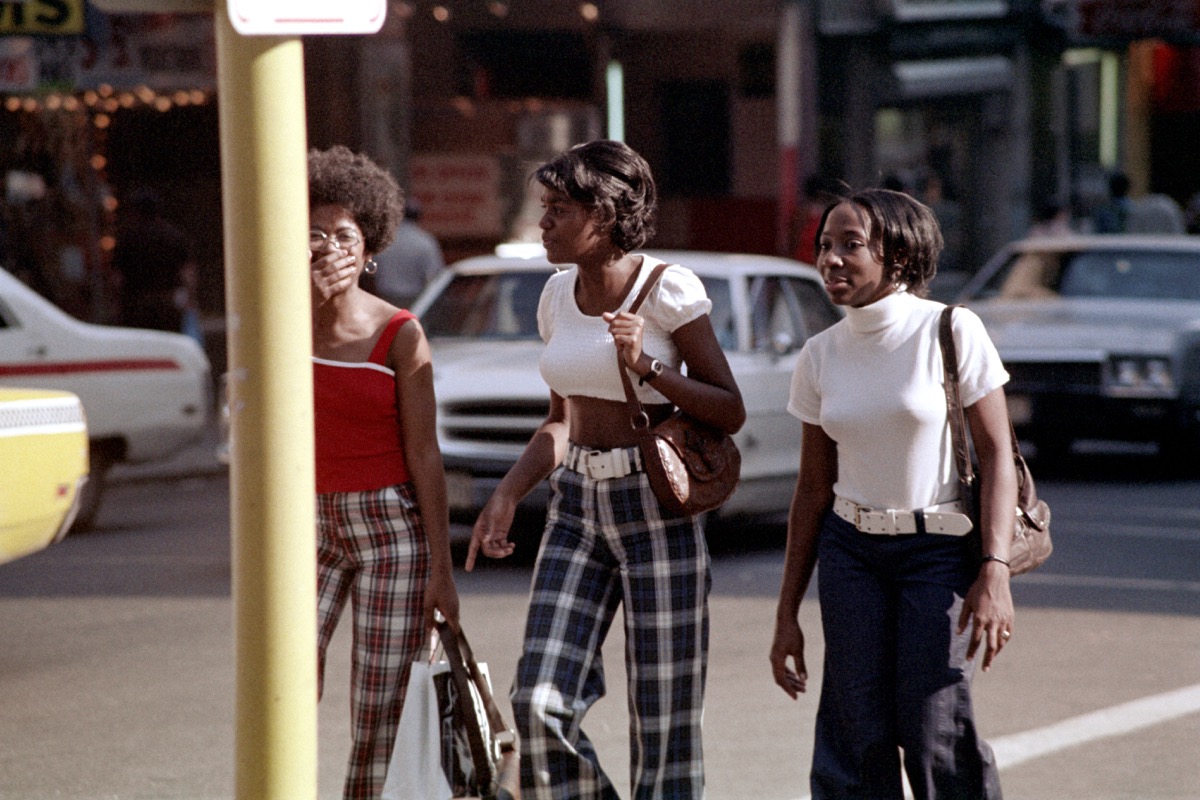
[{"x": 873, "y": 381}]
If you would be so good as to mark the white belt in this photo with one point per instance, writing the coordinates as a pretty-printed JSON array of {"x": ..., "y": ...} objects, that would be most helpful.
[
  {"x": 945, "y": 518},
  {"x": 601, "y": 464}
]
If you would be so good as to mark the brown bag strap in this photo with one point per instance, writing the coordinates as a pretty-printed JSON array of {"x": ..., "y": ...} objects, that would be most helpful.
[
  {"x": 954, "y": 410},
  {"x": 457, "y": 648},
  {"x": 637, "y": 415},
  {"x": 959, "y": 433},
  {"x": 465, "y": 672}
]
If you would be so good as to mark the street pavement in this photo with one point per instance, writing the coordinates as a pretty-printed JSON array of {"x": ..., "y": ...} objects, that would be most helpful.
[{"x": 1098, "y": 696}]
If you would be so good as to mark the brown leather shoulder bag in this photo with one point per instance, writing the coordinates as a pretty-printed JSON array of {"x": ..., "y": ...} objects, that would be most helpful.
[
  {"x": 692, "y": 467},
  {"x": 1031, "y": 544}
]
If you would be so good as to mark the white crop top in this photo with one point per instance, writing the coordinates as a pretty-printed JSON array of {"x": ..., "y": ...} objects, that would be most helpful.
[
  {"x": 580, "y": 357},
  {"x": 873, "y": 381}
]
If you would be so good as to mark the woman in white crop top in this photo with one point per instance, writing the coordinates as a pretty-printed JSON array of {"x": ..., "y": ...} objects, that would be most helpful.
[
  {"x": 608, "y": 542},
  {"x": 906, "y": 601}
]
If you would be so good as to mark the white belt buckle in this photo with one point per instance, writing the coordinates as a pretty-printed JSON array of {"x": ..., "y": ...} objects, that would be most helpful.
[
  {"x": 598, "y": 467},
  {"x": 883, "y": 521},
  {"x": 604, "y": 464}
]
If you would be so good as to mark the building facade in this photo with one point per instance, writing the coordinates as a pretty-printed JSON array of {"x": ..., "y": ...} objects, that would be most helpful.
[{"x": 987, "y": 109}]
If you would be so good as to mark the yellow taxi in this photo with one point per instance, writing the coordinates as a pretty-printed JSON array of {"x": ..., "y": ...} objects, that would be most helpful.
[{"x": 43, "y": 466}]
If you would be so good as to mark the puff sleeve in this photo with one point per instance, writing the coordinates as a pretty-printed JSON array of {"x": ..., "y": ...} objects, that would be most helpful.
[
  {"x": 548, "y": 303},
  {"x": 679, "y": 298}
]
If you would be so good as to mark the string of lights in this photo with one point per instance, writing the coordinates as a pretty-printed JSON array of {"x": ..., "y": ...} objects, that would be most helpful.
[
  {"x": 104, "y": 100},
  {"x": 445, "y": 12}
]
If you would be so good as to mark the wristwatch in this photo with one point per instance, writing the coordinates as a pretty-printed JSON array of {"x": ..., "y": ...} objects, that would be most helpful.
[{"x": 656, "y": 368}]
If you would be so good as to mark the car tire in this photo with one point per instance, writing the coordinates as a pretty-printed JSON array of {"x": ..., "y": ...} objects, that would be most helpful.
[{"x": 100, "y": 461}]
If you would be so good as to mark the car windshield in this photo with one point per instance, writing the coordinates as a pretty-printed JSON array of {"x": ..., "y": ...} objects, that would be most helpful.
[
  {"x": 498, "y": 305},
  {"x": 1118, "y": 274},
  {"x": 503, "y": 305}
]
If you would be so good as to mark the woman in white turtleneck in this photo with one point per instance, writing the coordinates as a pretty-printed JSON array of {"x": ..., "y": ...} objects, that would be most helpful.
[{"x": 906, "y": 600}]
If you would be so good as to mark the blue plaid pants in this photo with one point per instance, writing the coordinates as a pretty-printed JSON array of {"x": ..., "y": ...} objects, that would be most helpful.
[{"x": 606, "y": 545}]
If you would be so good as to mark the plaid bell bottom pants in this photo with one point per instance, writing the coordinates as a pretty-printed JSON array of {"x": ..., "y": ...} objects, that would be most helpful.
[
  {"x": 606, "y": 545},
  {"x": 372, "y": 551}
]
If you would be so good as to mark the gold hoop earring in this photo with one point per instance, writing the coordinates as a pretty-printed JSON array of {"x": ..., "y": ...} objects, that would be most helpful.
[{"x": 372, "y": 266}]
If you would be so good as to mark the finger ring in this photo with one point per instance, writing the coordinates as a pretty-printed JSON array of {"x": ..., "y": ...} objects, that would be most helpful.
[{"x": 1006, "y": 634}]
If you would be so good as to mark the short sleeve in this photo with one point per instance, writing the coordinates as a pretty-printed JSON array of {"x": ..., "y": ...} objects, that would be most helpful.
[
  {"x": 804, "y": 400},
  {"x": 548, "y": 304},
  {"x": 678, "y": 299},
  {"x": 980, "y": 370}
]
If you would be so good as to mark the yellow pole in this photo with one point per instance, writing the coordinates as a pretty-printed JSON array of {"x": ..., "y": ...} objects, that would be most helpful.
[{"x": 265, "y": 187}]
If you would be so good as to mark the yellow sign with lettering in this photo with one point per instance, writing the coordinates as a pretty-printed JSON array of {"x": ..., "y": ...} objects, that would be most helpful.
[{"x": 64, "y": 17}]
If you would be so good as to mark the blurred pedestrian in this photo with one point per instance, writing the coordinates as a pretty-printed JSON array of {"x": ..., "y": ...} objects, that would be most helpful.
[
  {"x": 383, "y": 539},
  {"x": 949, "y": 215},
  {"x": 1112, "y": 215},
  {"x": 608, "y": 542},
  {"x": 1052, "y": 218},
  {"x": 906, "y": 602},
  {"x": 1155, "y": 213},
  {"x": 151, "y": 258},
  {"x": 817, "y": 191},
  {"x": 410, "y": 262}
]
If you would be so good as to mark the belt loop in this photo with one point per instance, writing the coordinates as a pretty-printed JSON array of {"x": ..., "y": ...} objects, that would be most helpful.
[{"x": 919, "y": 519}]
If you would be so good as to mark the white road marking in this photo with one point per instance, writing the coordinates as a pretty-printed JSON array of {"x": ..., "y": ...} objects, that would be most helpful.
[
  {"x": 1107, "y": 722},
  {"x": 1105, "y": 582},
  {"x": 1115, "y": 720}
]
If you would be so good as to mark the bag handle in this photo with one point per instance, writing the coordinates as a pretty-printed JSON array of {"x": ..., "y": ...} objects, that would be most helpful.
[
  {"x": 638, "y": 417},
  {"x": 464, "y": 671},
  {"x": 959, "y": 434}
]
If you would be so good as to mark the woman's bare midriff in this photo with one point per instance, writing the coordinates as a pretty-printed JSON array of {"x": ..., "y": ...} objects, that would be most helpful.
[{"x": 604, "y": 424}]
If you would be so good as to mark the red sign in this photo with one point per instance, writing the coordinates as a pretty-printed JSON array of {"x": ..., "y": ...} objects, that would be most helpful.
[{"x": 459, "y": 193}]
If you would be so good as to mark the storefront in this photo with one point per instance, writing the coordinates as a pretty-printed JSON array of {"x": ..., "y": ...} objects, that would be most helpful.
[
  {"x": 931, "y": 97},
  {"x": 89, "y": 116}
]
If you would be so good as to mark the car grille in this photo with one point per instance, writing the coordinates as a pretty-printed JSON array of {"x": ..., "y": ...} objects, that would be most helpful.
[
  {"x": 494, "y": 422},
  {"x": 1079, "y": 377},
  {"x": 26, "y": 417}
]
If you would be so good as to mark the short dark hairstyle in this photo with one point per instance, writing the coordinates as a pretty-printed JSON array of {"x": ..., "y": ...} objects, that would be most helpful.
[
  {"x": 353, "y": 181},
  {"x": 608, "y": 177},
  {"x": 903, "y": 234}
]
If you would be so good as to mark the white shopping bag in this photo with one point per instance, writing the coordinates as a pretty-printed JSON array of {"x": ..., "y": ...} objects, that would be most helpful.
[{"x": 415, "y": 771}]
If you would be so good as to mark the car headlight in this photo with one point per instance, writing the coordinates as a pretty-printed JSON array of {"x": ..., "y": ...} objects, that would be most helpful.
[{"x": 1142, "y": 375}]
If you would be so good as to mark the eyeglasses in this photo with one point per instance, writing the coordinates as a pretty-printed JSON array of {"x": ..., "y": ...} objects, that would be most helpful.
[{"x": 344, "y": 239}]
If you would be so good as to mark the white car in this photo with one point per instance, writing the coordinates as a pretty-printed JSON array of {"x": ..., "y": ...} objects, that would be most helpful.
[
  {"x": 481, "y": 320},
  {"x": 146, "y": 393},
  {"x": 1101, "y": 335}
]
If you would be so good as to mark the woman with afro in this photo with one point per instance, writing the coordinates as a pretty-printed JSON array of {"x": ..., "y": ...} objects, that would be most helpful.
[{"x": 382, "y": 520}]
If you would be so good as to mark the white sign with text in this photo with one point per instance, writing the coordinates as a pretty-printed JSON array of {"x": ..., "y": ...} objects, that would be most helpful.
[{"x": 304, "y": 17}]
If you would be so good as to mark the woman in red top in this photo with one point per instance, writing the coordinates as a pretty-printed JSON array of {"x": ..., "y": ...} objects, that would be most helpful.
[{"x": 383, "y": 526}]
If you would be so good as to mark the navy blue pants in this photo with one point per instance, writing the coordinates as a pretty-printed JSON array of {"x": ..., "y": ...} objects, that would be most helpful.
[{"x": 897, "y": 684}]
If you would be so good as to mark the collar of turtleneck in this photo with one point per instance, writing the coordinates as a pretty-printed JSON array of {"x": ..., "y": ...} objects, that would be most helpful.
[{"x": 879, "y": 315}]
